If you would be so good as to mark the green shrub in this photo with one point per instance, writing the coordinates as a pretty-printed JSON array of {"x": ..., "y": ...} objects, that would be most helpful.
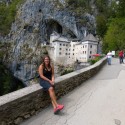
[
  {"x": 66, "y": 71},
  {"x": 8, "y": 83},
  {"x": 96, "y": 59}
]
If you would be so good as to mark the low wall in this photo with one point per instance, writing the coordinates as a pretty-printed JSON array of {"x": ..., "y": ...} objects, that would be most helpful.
[{"x": 22, "y": 104}]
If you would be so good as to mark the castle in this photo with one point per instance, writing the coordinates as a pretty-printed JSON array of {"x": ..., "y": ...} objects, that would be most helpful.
[{"x": 67, "y": 51}]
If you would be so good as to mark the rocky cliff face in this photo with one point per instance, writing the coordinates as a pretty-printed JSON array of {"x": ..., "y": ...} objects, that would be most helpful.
[{"x": 35, "y": 21}]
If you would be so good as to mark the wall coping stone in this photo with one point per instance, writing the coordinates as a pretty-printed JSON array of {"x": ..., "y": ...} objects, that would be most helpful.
[{"x": 33, "y": 88}]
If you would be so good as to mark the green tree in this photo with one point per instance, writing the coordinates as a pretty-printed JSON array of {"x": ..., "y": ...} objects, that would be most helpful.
[
  {"x": 121, "y": 8},
  {"x": 115, "y": 36},
  {"x": 106, "y": 11},
  {"x": 102, "y": 5},
  {"x": 101, "y": 25}
]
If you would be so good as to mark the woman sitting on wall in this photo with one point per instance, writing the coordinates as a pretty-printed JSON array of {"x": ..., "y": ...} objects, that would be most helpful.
[{"x": 46, "y": 72}]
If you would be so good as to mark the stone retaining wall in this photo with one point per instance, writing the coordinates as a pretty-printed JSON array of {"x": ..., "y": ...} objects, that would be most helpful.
[{"x": 22, "y": 104}]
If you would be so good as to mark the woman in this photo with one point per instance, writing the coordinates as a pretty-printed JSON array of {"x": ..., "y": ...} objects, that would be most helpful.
[{"x": 46, "y": 72}]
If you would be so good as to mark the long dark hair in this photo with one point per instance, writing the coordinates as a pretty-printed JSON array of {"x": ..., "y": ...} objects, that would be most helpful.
[{"x": 49, "y": 65}]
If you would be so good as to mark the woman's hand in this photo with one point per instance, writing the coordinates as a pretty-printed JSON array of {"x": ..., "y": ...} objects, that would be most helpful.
[{"x": 51, "y": 82}]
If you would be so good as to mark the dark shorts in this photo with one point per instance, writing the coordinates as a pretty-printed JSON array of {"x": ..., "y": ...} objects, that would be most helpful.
[{"x": 45, "y": 84}]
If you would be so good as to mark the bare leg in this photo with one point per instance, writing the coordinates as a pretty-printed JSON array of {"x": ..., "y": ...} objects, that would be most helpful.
[
  {"x": 53, "y": 97},
  {"x": 54, "y": 106}
]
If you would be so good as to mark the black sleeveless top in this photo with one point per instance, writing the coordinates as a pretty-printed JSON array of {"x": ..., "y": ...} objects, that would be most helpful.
[{"x": 47, "y": 73}]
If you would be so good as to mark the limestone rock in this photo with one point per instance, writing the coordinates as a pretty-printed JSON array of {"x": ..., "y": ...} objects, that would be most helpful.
[{"x": 34, "y": 22}]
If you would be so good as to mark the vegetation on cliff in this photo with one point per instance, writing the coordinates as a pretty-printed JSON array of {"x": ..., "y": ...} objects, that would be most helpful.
[
  {"x": 8, "y": 83},
  {"x": 7, "y": 15}
]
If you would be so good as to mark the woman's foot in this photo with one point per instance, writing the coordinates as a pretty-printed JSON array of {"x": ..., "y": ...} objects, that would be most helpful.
[
  {"x": 60, "y": 107},
  {"x": 56, "y": 110}
]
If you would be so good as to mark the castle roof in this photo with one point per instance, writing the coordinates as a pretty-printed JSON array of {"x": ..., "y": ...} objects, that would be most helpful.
[{"x": 90, "y": 37}]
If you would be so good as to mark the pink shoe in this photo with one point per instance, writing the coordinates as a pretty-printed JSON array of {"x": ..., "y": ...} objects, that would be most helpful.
[
  {"x": 60, "y": 107},
  {"x": 56, "y": 110}
]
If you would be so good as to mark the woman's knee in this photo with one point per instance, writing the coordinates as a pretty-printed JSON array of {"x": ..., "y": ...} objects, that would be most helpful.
[{"x": 51, "y": 89}]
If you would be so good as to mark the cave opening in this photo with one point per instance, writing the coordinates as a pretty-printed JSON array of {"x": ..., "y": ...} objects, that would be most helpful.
[{"x": 53, "y": 26}]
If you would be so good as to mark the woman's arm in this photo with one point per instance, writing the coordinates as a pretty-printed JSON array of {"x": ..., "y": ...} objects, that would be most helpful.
[
  {"x": 53, "y": 78},
  {"x": 41, "y": 73}
]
